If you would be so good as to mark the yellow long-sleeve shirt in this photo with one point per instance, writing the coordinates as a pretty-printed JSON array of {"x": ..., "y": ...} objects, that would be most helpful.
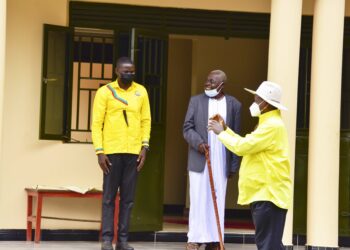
[
  {"x": 264, "y": 174},
  {"x": 121, "y": 121}
]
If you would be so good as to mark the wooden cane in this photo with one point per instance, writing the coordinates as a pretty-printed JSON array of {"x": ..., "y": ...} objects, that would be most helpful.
[{"x": 213, "y": 195}]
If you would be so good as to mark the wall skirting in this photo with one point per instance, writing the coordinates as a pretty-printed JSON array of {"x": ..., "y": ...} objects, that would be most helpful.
[{"x": 93, "y": 235}]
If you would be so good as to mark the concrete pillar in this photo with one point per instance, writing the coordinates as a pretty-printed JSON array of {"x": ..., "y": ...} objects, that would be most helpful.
[
  {"x": 323, "y": 166},
  {"x": 283, "y": 66},
  {"x": 2, "y": 66}
]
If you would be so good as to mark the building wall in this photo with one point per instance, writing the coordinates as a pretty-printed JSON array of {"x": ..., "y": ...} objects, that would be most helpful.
[
  {"x": 27, "y": 161},
  {"x": 228, "y": 5},
  {"x": 258, "y": 6},
  {"x": 308, "y": 7},
  {"x": 178, "y": 95},
  {"x": 243, "y": 60},
  {"x": 2, "y": 67}
]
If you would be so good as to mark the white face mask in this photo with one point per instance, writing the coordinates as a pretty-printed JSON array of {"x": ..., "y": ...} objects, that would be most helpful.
[
  {"x": 212, "y": 92},
  {"x": 255, "y": 109}
]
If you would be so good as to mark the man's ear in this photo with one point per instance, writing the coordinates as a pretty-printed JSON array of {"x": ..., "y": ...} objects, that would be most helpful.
[{"x": 268, "y": 105}]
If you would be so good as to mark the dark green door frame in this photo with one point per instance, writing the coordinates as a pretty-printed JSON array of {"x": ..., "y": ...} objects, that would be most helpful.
[{"x": 149, "y": 50}]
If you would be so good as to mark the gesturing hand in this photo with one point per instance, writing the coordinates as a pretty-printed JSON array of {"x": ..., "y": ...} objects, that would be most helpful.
[
  {"x": 215, "y": 126},
  {"x": 104, "y": 163},
  {"x": 219, "y": 119}
]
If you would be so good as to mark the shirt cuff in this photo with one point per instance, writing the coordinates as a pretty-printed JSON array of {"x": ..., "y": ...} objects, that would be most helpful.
[
  {"x": 230, "y": 131},
  {"x": 145, "y": 143},
  {"x": 99, "y": 151}
]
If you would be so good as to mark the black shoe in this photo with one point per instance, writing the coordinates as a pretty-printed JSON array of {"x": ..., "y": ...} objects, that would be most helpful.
[
  {"x": 123, "y": 246},
  {"x": 106, "y": 245}
]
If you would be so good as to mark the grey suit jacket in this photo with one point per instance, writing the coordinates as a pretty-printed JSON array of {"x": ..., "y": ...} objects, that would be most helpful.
[{"x": 195, "y": 130}]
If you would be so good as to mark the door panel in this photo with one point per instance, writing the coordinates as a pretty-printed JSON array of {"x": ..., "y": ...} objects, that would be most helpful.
[
  {"x": 55, "y": 82},
  {"x": 149, "y": 52}
]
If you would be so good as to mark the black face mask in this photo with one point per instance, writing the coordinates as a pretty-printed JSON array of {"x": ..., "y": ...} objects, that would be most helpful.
[{"x": 127, "y": 78}]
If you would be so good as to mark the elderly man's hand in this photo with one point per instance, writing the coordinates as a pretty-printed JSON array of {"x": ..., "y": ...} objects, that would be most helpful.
[
  {"x": 215, "y": 126},
  {"x": 203, "y": 147}
]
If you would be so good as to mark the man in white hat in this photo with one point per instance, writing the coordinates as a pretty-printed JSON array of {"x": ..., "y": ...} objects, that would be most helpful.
[{"x": 264, "y": 176}]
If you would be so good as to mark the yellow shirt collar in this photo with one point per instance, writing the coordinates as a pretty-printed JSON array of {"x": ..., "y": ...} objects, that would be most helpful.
[
  {"x": 269, "y": 114},
  {"x": 115, "y": 84}
]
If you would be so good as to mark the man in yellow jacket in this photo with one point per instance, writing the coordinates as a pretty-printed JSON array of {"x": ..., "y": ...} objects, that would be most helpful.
[
  {"x": 120, "y": 133},
  {"x": 264, "y": 176}
]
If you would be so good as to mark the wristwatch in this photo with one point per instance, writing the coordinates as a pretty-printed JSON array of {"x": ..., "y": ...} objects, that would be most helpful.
[{"x": 145, "y": 147}]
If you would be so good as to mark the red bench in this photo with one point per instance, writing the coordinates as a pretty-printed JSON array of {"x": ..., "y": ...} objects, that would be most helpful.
[{"x": 40, "y": 194}]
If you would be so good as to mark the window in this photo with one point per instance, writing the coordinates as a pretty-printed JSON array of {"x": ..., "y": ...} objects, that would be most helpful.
[
  {"x": 80, "y": 61},
  {"x": 92, "y": 68}
]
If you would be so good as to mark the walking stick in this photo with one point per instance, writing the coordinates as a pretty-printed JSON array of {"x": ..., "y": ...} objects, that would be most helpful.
[{"x": 213, "y": 195}]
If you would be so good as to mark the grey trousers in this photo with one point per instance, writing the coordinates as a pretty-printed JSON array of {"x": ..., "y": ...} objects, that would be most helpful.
[{"x": 123, "y": 175}]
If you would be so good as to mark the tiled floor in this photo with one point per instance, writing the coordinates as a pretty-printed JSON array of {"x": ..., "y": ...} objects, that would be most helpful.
[
  {"x": 50, "y": 245},
  {"x": 167, "y": 227},
  {"x": 21, "y": 245}
]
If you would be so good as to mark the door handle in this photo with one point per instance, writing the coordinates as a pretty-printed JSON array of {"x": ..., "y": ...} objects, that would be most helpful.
[
  {"x": 345, "y": 213},
  {"x": 46, "y": 80}
]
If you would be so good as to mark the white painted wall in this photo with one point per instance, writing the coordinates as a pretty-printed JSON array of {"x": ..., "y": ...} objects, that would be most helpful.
[{"x": 2, "y": 74}]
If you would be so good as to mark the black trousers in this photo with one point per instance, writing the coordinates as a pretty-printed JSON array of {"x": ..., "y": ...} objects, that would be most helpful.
[
  {"x": 123, "y": 175},
  {"x": 269, "y": 225}
]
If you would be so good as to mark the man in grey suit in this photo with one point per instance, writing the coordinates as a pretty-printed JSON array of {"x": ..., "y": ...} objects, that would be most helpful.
[{"x": 202, "y": 223}]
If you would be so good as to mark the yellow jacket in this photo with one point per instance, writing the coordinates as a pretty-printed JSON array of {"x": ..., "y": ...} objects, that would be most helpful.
[
  {"x": 121, "y": 120},
  {"x": 264, "y": 174}
]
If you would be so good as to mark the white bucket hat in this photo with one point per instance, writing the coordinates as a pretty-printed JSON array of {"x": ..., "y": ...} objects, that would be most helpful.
[{"x": 270, "y": 92}]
